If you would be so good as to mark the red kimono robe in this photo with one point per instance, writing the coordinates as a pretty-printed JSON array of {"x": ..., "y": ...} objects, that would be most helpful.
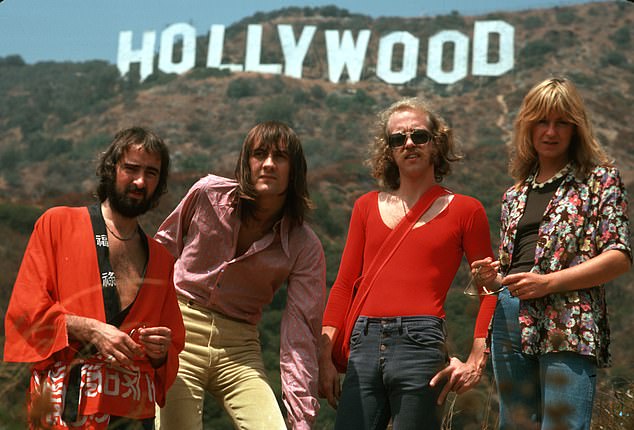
[{"x": 60, "y": 275}]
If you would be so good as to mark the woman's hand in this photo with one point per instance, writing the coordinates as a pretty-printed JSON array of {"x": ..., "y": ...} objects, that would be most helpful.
[
  {"x": 528, "y": 285},
  {"x": 595, "y": 271}
]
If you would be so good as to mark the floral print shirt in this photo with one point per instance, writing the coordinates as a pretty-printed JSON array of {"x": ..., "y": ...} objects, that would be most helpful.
[{"x": 584, "y": 218}]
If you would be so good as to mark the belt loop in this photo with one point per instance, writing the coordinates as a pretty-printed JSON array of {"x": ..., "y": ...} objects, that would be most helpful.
[
  {"x": 399, "y": 323},
  {"x": 366, "y": 323}
]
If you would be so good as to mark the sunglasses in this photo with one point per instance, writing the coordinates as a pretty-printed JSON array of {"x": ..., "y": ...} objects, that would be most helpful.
[
  {"x": 472, "y": 289},
  {"x": 418, "y": 136}
]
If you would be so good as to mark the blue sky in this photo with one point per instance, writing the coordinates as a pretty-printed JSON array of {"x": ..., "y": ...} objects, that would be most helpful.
[{"x": 81, "y": 30}]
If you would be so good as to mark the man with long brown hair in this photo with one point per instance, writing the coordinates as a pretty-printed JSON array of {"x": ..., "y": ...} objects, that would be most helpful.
[{"x": 236, "y": 243}]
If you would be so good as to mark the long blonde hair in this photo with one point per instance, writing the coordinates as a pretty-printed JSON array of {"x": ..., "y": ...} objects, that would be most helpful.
[{"x": 554, "y": 95}]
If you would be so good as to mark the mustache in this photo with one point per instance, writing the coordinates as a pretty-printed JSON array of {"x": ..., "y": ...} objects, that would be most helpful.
[{"x": 135, "y": 189}]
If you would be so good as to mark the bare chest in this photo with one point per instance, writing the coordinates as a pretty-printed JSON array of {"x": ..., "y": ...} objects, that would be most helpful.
[
  {"x": 128, "y": 260},
  {"x": 247, "y": 235},
  {"x": 392, "y": 209}
]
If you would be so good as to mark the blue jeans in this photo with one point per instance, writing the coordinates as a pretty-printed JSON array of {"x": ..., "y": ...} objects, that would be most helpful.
[
  {"x": 554, "y": 390},
  {"x": 391, "y": 363}
]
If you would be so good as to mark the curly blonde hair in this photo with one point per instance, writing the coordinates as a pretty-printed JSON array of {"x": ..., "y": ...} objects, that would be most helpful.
[
  {"x": 381, "y": 160},
  {"x": 554, "y": 96}
]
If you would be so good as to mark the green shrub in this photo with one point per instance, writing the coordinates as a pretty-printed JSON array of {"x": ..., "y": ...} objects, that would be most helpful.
[
  {"x": 241, "y": 87},
  {"x": 279, "y": 108},
  {"x": 12, "y": 61},
  {"x": 565, "y": 17},
  {"x": 535, "y": 51},
  {"x": 533, "y": 22},
  {"x": 43, "y": 149},
  {"x": 614, "y": 58},
  {"x": 199, "y": 73},
  {"x": 19, "y": 217},
  {"x": 317, "y": 92},
  {"x": 621, "y": 38},
  {"x": 158, "y": 78},
  {"x": 300, "y": 96},
  {"x": 9, "y": 159}
]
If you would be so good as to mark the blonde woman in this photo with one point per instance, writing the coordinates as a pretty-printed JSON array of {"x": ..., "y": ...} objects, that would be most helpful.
[{"x": 564, "y": 234}]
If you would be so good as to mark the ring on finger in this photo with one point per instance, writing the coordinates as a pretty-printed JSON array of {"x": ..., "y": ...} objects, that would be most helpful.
[{"x": 110, "y": 357}]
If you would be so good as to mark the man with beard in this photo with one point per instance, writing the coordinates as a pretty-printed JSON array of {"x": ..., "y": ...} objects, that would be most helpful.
[{"x": 93, "y": 308}]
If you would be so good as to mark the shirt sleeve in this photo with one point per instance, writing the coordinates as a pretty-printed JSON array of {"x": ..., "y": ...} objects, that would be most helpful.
[
  {"x": 350, "y": 269},
  {"x": 170, "y": 317},
  {"x": 477, "y": 245},
  {"x": 35, "y": 323},
  {"x": 300, "y": 331},
  {"x": 613, "y": 224},
  {"x": 172, "y": 232}
]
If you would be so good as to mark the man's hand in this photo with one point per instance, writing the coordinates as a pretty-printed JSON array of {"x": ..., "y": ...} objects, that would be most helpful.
[
  {"x": 485, "y": 273},
  {"x": 111, "y": 342},
  {"x": 156, "y": 342},
  {"x": 329, "y": 384},
  {"x": 460, "y": 378}
]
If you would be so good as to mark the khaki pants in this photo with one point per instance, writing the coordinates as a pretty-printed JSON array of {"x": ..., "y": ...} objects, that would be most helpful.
[{"x": 222, "y": 357}]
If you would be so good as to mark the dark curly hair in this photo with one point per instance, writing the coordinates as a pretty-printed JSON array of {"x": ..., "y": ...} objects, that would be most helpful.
[{"x": 107, "y": 165}]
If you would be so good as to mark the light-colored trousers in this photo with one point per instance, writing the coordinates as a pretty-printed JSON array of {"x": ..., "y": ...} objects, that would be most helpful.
[{"x": 223, "y": 357}]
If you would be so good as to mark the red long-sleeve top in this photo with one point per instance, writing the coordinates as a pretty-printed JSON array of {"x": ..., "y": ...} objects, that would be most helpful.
[{"x": 416, "y": 279}]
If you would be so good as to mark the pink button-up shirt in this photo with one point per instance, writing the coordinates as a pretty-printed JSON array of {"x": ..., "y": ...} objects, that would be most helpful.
[{"x": 202, "y": 233}]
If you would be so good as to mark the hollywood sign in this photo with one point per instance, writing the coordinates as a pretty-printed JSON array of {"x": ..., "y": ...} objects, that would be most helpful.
[{"x": 342, "y": 51}]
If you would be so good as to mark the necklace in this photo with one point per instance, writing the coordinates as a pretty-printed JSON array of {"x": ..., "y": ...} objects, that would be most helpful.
[
  {"x": 122, "y": 239},
  {"x": 538, "y": 185}
]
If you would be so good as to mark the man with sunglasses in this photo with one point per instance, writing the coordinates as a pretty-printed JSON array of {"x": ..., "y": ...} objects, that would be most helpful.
[
  {"x": 93, "y": 308},
  {"x": 399, "y": 368}
]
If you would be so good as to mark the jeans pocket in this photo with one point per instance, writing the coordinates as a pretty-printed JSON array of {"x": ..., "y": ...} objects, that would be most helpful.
[
  {"x": 356, "y": 335},
  {"x": 426, "y": 335}
]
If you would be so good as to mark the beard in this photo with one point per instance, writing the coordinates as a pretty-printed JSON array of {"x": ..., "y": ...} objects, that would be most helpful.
[{"x": 126, "y": 206}]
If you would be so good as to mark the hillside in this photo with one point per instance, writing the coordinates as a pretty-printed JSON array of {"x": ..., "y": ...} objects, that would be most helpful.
[{"x": 55, "y": 117}]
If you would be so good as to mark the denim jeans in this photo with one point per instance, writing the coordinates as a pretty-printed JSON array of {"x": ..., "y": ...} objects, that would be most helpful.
[
  {"x": 391, "y": 363},
  {"x": 554, "y": 390}
]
